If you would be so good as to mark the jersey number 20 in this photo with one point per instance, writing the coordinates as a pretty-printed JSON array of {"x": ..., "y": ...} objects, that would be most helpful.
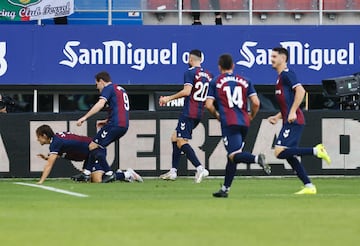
[{"x": 201, "y": 92}]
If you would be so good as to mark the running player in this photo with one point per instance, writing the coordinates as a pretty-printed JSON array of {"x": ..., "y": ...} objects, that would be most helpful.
[
  {"x": 196, "y": 84},
  {"x": 112, "y": 128},
  {"x": 289, "y": 94},
  {"x": 74, "y": 147},
  {"x": 231, "y": 92}
]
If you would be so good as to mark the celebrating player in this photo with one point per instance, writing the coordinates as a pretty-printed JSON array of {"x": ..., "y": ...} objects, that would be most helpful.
[
  {"x": 74, "y": 147},
  {"x": 231, "y": 91},
  {"x": 196, "y": 84},
  {"x": 289, "y": 94},
  {"x": 112, "y": 128}
]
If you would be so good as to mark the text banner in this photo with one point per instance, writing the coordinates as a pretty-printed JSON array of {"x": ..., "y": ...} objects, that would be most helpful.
[
  {"x": 149, "y": 55},
  {"x": 146, "y": 146},
  {"x": 27, "y": 10}
]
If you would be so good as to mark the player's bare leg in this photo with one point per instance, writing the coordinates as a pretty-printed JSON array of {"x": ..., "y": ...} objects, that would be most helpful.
[{"x": 96, "y": 177}]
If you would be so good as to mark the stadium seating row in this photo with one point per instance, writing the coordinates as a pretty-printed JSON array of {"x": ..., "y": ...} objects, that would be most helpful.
[
  {"x": 258, "y": 4},
  {"x": 224, "y": 4},
  {"x": 96, "y": 12}
]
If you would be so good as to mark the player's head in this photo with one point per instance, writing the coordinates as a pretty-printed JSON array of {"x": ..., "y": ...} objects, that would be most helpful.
[
  {"x": 195, "y": 57},
  {"x": 44, "y": 134},
  {"x": 101, "y": 79},
  {"x": 225, "y": 63},
  {"x": 279, "y": 57}
]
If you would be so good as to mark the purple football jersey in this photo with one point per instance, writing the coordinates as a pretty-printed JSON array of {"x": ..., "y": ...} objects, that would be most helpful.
[
  {"x": 285, "y": 94},
  {"x": 118, "y": 101},
  {"x": 70, "y": 146},
  {"x": 231, "y": 92},
  {"x": 194, "y": 104}
]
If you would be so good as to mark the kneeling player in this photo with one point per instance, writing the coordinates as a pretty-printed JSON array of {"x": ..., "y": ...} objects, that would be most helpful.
[{"x": 74, "y": 147}]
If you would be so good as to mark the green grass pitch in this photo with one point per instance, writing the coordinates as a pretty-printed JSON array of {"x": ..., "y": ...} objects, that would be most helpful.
[{"x": 156, "y": 212}]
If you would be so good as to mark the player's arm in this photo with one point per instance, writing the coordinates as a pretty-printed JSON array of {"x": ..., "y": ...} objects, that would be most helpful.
[
  {"x": 209, "y": 104},
  {"x": 255, "y": 106},
  {"x": 186, "y": 91},
  {"x": 299, "y": 97},
  {"x": 96, "y": 108},
  {"x": 47, "y": 169}
]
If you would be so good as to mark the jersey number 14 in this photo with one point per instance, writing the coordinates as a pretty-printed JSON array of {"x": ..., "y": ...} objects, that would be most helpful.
[{"x": 235, "y": 97}]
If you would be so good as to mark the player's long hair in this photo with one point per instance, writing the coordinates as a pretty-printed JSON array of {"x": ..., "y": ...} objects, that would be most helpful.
[{"x": 45, "y": 130}]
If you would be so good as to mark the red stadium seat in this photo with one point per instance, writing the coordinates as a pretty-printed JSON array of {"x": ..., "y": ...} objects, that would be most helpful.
[
  {"x": 266, "y": 5},
  {"x": 234, "y": 4},
  {"x": 162, "y": 4},
  {"x": 355, "y": 5},
  {"x": 196, "y": 5},
  {"x": 336, "y": 5},
  {"x": 300, "y": 5}
]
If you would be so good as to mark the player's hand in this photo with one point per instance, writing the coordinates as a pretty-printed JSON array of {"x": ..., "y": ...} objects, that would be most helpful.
[
  {"x": 80, "y": 121},
  {"x": 218, "y": 116},
  {"x": 292, "y": 117},
  {"x": 39, "y": 183},
  {"x": 273, "y": 119},
  {"x": 163, "y": 101},
  {"x": 251, "y": 117},
  {"x": 42, "y": 157}
]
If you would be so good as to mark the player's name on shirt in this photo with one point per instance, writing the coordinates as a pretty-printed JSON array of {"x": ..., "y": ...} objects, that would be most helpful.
[
  {"x": 228, "y": 78},
  {"x": 201, "y": 74}
]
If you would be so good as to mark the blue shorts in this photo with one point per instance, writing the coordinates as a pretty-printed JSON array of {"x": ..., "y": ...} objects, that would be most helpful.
[
  {"x": 233, "y": 138},
  {"x": 97, "y": 167},
  {"x": 109, "y": 134},
  {"x": 185, "y": 127},
  {"x": 93, "y": 167},
  {"x": 290, "y": 135}
]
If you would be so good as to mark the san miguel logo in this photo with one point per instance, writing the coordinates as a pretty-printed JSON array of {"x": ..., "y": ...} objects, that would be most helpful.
[{"x": 24, "y": 3}]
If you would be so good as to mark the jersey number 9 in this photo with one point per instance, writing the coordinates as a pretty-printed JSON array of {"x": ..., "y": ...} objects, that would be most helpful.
[
  {"x": 125, "y": 98},
  {"x": 126, "y": 102}
]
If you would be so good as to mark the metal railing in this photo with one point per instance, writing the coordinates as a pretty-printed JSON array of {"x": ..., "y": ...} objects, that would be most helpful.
[{"x": 177, "y": 6}]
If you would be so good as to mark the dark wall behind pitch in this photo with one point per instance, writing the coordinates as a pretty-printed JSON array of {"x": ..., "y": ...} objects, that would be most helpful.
[{"x": 146, "y": 147}]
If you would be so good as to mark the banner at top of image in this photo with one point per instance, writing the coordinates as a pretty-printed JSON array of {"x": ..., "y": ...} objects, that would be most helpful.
[{"x": 27, "y": 10}]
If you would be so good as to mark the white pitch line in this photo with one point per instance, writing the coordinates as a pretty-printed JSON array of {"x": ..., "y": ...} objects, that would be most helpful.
[{"x": 52, "y": 189}]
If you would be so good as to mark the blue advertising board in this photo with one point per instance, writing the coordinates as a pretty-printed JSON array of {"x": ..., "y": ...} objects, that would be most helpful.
[{"x": 157, "y": 55}]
